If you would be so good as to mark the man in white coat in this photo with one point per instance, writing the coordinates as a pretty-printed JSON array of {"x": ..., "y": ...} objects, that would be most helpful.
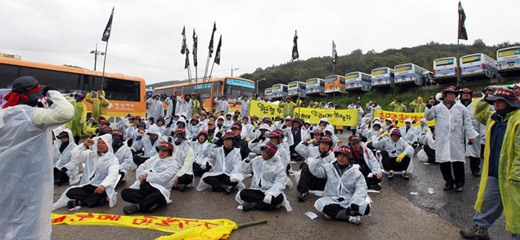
[
  {"x": 396, "y": 153},
  {"x": 244, "y": 105},
  {"x": 100, "y": 175},
  {"x": 154, "y": 180},
  {"x": 345, "y": 195},
  {"x": 409, "y": 133},
  {"x": 453, "y": 125},
  {"x": 156, "y": 107},
  {"x": 184, "y": 157},
  {"x": 268, "y": 183},
  {"x": 473, "y": 151},
  {"x": 26, "y": 159},
  {"x": 65, "y": 167},
  {"x": 123, "y": 155},
  {"x": 185, "y": 104},
  {"x": 222, "y": 106}
]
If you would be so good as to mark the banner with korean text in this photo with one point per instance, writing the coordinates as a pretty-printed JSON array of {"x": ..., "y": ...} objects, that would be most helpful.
[
  {"x": 400, "y": 117},
  {"x": 182, "y": 227}
]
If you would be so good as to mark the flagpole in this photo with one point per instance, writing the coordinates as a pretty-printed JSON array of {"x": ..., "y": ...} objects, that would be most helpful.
[
  {"x": 458, "y": 63},
  {"x": 211, "y": 72},
  {"x": 104, "y": 63}
]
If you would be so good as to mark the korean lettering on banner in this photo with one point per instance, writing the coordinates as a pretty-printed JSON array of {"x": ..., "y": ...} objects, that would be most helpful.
[
  {"x": 260, "y": 109},
  {"x": 336, "y": 117},
  {"x": 401, "y": 117},
  {"x": 3, "y": 92}
]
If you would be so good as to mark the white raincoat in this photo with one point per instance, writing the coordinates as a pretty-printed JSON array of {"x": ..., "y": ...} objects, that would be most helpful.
[
  {"x": 64, "y": 159},
  {"x": 409, "y": 136},
  {"x": 98, "y": 171},
  {"x": 312, "y": 155},
  {"x": 198, "y": 152},
  {"x": 350, "y": 186},
  {"x": 194, "y": 129},
  {"x": 394, "y": 149},
  {"x": 244, "y": 106},
  {"x": 156, "y": 108},
  {"x": 125, "y": 158},
  {"x": 228, "y": 165},
  {"x": 222, "y": 105},
  {"x": 473, "y": 150},
  {"x": 146, "y": 144},
  {"x": 452, "y": 127},
  {"x": 283, "y": 150},
  {"x": 184, "y": 156},
  {"x": 268, "y": 176},
  {"x": 26, "y": 167},
  {"x": 371, "y": 160},
  {"x": 185, "y": 107},
  {"x": 169, "y": 108},
  {"x": 161, "y": 174}
]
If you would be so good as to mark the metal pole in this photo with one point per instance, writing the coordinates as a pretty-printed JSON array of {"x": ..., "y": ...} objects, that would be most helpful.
[
  {"x": 104, "y": 63},
  {"x": 95, "y": 58},
  {"x": 458, "y": 64}
]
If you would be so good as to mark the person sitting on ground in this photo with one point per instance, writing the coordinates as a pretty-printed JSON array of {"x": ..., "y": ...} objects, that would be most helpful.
[
  {"x": 65, "y": 167},
  {"x": 409, "y": 133},
  {"x": 229, "y": 120},
  {"x": 427, "y": 139},
  {"x": 388, "y": 124},
  {"x": 368, "y": 164},
  {"x": 154, "y": 179},
  {"x": 308, "y": 177},
  {"x": 201, "y": 163},
  {"x": 123, "y": 154},
  {"x": 99, "y": 175},
  {"x": 345, "y": 195},
  {"x": 225, "y": 176},
  {"x": 268, "y": 183},
  {"x": 184, "y": 157},
  {"x": 371, "y": 134},
  {"x": 194, "y": 127},
  {"x": 146, "y": 144},
  {"x": 396, "y": 153}
]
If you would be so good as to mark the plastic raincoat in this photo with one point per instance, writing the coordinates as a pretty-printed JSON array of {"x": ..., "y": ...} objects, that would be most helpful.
[
  {"x": 312, "y": 154},
  {"x": 222, "y": 105},
  {"x": 288, "y": 108},
  {"x": 509, "y": 165},
  {"x": 418, "y": 107},
  {"x": 198, "y": 152},
  {"x": 161, "y": 174},
  {"x": 244, "y": 106},
  {"x": 345, "y": 189},
  {"x": 228, "y": 165},
  {"x": 394, "y": 149},
  {"x": 451, "y": 126},
  {"x": 398, "y": 107},
  {"x": 99, "y": 170},
  {"x": 269, "y": 176},
  {"x": 146, "y": 144},
  {"x": 26, "y": 167},
  {"x": 156, "y": 108},
  {"x": 64, "y": 159},
  {"x": 184, "y": 156},
  {"x": 473, "y": 150},
  {"x": 99, "y": 104},
  {"x": 125, "y": 158},
  {"x": 185, "y": 106},
  {"x": 409, "y": 136},
  {"x": 80, "y": 119}
]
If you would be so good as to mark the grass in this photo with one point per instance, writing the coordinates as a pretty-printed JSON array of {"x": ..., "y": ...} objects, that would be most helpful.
[{"x": 407, "y": 95}]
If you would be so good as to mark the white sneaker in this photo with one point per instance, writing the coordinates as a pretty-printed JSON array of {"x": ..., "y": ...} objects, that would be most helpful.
[{"x": 355, "y": 220}]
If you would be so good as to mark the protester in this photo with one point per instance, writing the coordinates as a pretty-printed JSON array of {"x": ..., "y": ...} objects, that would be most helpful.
[
  {"x": 65, "y": 167},
  {"x": 398, "y": 106},
  {"x": 80, "y": 117},
  {"x": 500, "y": 181},
  {"x": 154, "y": 179},
  {"x": 123, "y": 154},
  {"x": 244, "y": 102},
  {"x": 368, "y": 164},
  {"x": 396, "y": 153},
  {"x": 268, "y": 183},
  {"x": 345, "y": 195},
  {"x": 222, "y": 105},
  {"x": 473, "y": 151},
  {"x": 409, "y": 133},
  {"x": 201, "y": 163},
  {"x": 146, "y": 144},
  {"x": 185, "y": 104},
  {"x": 156, "y": 107},
  {"x": 453, "y": 126},
  {"x": 99, "y": 176},
  {"x": 99, "y": 104},
  {"x": 288, "y": 106},
  {"x": 184, "y": 156},
  {"x": 26, "y": 158},
  {"x": 418, "y": 105},
  {"x": 171, "y": 103}
]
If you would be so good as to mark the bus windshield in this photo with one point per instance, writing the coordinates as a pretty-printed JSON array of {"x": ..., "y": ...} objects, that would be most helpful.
[{"x": 331, "y": 79}]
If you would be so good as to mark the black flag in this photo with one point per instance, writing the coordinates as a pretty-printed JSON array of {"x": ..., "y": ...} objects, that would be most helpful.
[
  {"x": 211, "y": 40},
  {"x": 195, "y": 40},
  {"x": 217, "y": 55},
  {"x": 334, "y": 53},
  {"x": 187, "y": 62},
  {"x": 462, "y": 27},
  {"x": 108, "y": 28},
  {"x": 184, "y": 46},
  {"x": 295, "y": 54}
]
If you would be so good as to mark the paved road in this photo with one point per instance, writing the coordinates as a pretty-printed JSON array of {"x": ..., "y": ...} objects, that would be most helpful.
[{"x": 395, "y": 214}]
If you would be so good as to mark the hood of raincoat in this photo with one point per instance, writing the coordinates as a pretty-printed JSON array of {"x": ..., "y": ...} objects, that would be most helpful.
[
  {"x": 107, "y": 138},
  {"x": 324, "y": 120}
]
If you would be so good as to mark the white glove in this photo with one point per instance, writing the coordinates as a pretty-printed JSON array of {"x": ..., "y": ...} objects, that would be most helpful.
[
  {"x": 370, "y": 175},
  {"x": 268, "y": 199},
  {"x": 203, "y": 166},
  {"x": 252, "y": 155},
  {"x": 215, "y": 140}
]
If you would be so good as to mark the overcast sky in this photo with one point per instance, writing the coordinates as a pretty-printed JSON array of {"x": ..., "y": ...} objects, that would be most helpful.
[{"x": 146, "y": 35}]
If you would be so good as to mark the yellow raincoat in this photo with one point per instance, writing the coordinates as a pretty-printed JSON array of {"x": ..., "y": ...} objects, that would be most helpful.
[
  {"x": 288, "y": 108},
  {"x": 399, "y": 107},
  {"x": 509, "y": 165},
  {"x": 99, "y": 105},
  {"x": 418, "y": 106},
  {"x": 80, "y": 118}
]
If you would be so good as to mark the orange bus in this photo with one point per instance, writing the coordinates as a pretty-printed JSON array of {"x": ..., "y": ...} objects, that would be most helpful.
[
  {"x": 125, "y": 93},
  {"x": 334, "y": 83},
  {"x": 232, "y": 87}
]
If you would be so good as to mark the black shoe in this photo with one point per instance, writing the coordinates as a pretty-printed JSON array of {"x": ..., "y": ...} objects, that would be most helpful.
[
  {"x": 247, "y": 206},
  {"x": 181, "y": 187},
  {"x": 303, "y": 196},
  {"x": 227, "y": 188},
  {"x": 73, "y": 205},
  {"x": 475, "y": 233},
  {"x": 458, "y": 188},
  {"x": 448, "y": 186},
  {"x": 130, "y": 209},
  {"x": 375, "y": 187}
]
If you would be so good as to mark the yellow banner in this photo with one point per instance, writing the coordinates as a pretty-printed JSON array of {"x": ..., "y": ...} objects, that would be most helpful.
[
  {"x": 347, "y": 117},
  {"x": 182, "y": 227},
  {"x": 399, "y": 116}
]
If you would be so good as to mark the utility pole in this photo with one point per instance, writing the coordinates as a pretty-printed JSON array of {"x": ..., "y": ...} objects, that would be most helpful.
[{"x": 96, "y": 53}]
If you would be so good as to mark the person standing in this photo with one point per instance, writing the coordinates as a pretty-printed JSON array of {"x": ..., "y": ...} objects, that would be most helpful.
[
  {"x": 99, "y": 104},
  {"x": 500, "y": 182},
  {"x": 453, "y": 126},
  {"x": 288, "y": 106},
  {"x": 30, "y": 197},
  {"x": 80, "y": 117},
  {"x": 473, "y": 151},
  {"x": 156, "y": 107},
  {"x": 398, "y": 106},
  {"x": 185, "y": 104},
  {"x": 222, "y": 105},
  {"x": 418, "y": 105},
  {"x": 244, "y": 105}
]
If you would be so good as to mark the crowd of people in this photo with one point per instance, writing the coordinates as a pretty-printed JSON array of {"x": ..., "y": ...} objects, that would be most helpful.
[{"x": 168, "y": 148}]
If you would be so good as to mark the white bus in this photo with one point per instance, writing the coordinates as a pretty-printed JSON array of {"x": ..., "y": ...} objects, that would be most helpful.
[
  {"x": 409, "y": 73},
  {"x": 279, "y": 91},
  {"x": 508, "y": 59},
  {"x": 382, "y": 77},
  {"x": 358, "y": 81},
  {"x": 445, "y": 69},
  {"x": 477, "y": 65},
  {"x": 315, "y": 86},
  {"x": 269, "y": 93},
  {"x": 297, "y": 89}
]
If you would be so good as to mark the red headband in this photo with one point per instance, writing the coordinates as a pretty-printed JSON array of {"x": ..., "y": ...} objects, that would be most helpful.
[
  {"x": 167, "y": 145},
  {"x": 13, "y": 98}
]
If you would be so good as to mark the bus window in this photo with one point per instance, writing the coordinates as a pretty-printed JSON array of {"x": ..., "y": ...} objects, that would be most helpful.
[{"x": 9, "y": 73}]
